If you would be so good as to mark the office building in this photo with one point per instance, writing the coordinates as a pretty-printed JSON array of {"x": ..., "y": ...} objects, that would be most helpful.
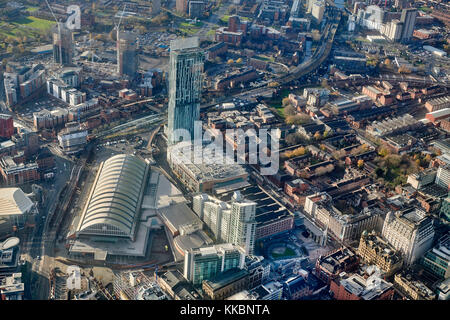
[
  {"x": 182, "y": 6},
  {"x": 12, "y": 287},
  {"x": 62, "y": 44},
  {"x": 127, "y": 55},
  {"x": 408, "y": 18},
  {"x": 437, "y": 260},
  {"x": 225, "y": 284},
  {"x": 6, "y": 126},
  {"x": 204, "y": 176},
  {"x": 329, "y": 266},
  {"x": 374, "y": 250},
  {"x": 156, "y": 7},
  {"x": 73, "y": 138},
  {"x": 318, "y": 9},
  {"x": 409, "y": 231},
  {"x": 18, "y": 173},
  {"x": 443, "y": 176},
  {"x": 196, "y": 9},
  {"x": 445, "y": 209},
  {"x": 422, "y": 178},
  {"x": 9, "y": 256},
  {"x": 185, "y": 86},
  {"x": 413, "y": 288},
  {"x": 207, "y": 262},
  {"x": 356, "y": 287}
]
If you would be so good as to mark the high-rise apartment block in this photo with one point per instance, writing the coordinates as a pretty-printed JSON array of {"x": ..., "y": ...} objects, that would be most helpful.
[
  {"x": 232, "y": 222},
  {"x": 408, "y": 18},
  {"x": 207, "y": 262},
  {"x": 242, "y": 226},
  {"x": 185, "y": 86},
  {"x": 62, "y": 44},
  {"x": 127, "y": 56}
]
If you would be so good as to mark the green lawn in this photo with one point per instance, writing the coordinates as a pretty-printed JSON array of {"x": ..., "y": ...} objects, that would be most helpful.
[
  {"x": 34, "y": 22},
  {"x": 190, "y": 29},
  {"x": 32, "y": 9},
  {"x": 226, "y": 17},
  {"x": 25, "y": 27}
]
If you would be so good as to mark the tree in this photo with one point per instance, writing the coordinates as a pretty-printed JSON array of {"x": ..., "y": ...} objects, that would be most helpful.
[
  {"x": 289, "y": 110},
  {"x": 286, "y": 101},
  {"x": 239, "y": 60},
  {"x": 360, "y": 163},
  {"x": 317, "y": 135},
  {"x": 383, "y": 152},
  {"x": 297, "y": 119},
  {"x": 295, "y": 138},
  {"x": 393, "y": 160},
  {"x": 230, "y": 61},
  {"x": 324, "y": 170},
  {"x": 273, "y": 84}
]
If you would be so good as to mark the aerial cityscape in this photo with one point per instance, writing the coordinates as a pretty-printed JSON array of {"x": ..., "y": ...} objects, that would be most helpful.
[{"x": 224, "y": 150}]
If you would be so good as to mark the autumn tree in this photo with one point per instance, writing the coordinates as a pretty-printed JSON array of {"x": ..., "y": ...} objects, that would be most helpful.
[
  {"x": 317, "y": 135},
  {"x": 289, "y": 111},
  {"x": 360, "y": 163},
  {"x": 286, "y": 101}
]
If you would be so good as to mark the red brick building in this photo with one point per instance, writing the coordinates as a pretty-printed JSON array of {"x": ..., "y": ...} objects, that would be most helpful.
[
  {"x": 356, "y": 287},
  {"x": 6, "y": 126}
]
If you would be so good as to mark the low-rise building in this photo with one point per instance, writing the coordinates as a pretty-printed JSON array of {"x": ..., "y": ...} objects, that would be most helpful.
[
  {"x": 16, "y": 174},
  {"x": 413, "y": 289},
  {"x": 374, "y": 250},
  {"x": 356, "y": 287},
  {"x": 73, "y": 138},
  {"x": 225, "y": 284},
  {"x": 329, "y": 266}
]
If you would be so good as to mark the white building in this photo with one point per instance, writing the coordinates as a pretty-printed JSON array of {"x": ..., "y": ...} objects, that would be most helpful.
[
  {"x": 371, "y": 18},
  {"x": 410, "y": 231},
  {"x": 443, "y": 176},
  {"x": 232, "y": 222},
  {"x": 73, "y": 281},
  {"x": 318, "y": 9}
]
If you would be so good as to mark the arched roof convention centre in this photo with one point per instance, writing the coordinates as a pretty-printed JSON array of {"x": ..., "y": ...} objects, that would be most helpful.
[{"x": 115, "y": 198}]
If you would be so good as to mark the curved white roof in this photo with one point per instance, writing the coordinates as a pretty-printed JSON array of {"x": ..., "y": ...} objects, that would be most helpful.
[
  {"x": 115, "y": 198},
  {"x": 9, "y": 243},
  {"x": 14, "y": 201}
]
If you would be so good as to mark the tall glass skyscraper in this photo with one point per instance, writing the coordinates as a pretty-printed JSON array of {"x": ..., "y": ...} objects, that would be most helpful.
[
  {"x": 62, "y": 44},
  {"x": 185, "y": 86}
]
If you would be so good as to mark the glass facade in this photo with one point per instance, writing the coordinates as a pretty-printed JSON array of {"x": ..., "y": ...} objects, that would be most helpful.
[{"x": 185, "y": 86}]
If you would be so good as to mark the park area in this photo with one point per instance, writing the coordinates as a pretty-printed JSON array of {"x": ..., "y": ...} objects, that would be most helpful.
[{"x": 25, "y": 27}]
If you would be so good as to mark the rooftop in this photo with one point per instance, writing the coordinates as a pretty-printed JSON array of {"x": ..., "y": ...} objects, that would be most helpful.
[{"x": 13, "y": 201}]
